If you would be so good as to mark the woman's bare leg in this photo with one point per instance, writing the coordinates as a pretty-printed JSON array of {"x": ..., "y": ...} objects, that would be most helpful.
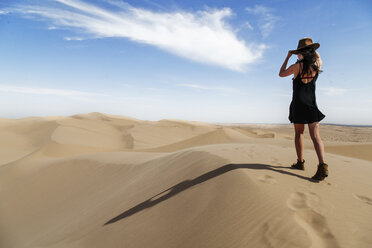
[
  {"x": 299, "y": 140},
  {"x": 318, "y": 143}
]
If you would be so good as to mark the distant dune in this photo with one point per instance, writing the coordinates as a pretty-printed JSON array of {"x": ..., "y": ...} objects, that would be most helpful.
[{"x": 99, "y": 180}]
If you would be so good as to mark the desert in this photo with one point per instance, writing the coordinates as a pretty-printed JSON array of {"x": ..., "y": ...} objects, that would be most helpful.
[{"x": 101, "y": 180}]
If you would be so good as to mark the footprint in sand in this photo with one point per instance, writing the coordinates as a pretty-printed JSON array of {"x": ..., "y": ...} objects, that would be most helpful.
[
  {"x": 267, "y": 179},
  {"x": 313, "y": 223},
  {"x": 364, "y": 199}
]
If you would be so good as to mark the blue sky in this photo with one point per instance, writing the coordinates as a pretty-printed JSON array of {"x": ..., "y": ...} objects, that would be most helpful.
[{"x": 214, "y": 61}]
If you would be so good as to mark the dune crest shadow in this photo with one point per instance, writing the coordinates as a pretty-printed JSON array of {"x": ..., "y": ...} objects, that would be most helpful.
[{"x": 175, "y": 189}]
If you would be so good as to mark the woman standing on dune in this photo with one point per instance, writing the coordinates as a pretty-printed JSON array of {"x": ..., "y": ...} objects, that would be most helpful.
[{"x": 303, "y": 109}]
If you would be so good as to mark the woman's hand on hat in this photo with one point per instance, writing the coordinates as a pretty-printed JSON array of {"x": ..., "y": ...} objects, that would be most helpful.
[{"x": 289, "y": 54}]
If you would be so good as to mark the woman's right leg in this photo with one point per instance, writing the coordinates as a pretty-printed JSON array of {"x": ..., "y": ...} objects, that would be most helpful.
[{"x": 299, "y": 140}]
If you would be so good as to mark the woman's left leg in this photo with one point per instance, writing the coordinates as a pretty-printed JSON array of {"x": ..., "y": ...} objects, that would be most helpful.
[{"x": 318, "y": 143}]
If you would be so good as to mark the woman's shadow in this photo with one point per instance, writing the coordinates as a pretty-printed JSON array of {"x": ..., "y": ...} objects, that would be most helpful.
[{"x": 162, "y": 196}]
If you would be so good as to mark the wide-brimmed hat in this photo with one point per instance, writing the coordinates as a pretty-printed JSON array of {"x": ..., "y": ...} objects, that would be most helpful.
[{"x": 305, "y": 43}]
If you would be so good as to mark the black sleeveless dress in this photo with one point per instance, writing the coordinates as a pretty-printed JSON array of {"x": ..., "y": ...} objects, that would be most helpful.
[{"x": 303, "y": 108}]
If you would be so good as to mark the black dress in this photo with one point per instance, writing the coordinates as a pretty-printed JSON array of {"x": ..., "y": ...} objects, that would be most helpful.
[{"x": 303, "y": 108}]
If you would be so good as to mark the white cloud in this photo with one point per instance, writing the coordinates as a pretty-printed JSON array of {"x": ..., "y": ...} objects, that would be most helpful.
[
  {"x": 248, "y": 25},
  {"x": 73, "y": 38},
  {"x": 266, "y": 19},
  {"x": 214, "y": 88},
  {"x": 204, "y": 36},
  {"x": 46, "y": 91},
  {"x": 332, "y": 91}
]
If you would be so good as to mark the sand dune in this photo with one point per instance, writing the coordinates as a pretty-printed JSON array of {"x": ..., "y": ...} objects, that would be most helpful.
[
  {"x": 98, "y": 180},
  {"x": 217, "y": 136}
]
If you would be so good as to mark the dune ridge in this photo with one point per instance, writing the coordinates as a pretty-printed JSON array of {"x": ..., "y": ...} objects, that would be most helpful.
[{"x": 100, "y": 180}]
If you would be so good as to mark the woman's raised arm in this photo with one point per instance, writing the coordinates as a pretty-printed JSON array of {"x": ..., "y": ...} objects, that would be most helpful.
[
  {"x": 319, "y": 60},
  {"x": 291, "y": 70}
]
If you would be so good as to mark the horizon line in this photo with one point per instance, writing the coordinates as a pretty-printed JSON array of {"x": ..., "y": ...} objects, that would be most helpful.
[{"x": 216, "y": 123}]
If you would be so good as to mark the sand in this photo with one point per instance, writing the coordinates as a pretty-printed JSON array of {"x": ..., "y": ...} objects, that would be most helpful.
[{"x": 99, "y": 180}]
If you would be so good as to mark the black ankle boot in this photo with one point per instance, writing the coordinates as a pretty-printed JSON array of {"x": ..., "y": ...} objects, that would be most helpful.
[
  {"x": 322, "y": 172},
  {"x": 299, "y": 165}
]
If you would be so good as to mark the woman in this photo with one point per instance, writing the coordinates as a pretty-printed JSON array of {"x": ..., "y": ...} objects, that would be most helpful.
[{"x": 303, "y": 108}]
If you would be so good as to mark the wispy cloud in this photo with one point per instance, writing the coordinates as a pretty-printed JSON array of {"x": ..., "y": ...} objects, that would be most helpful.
[
  {"x": 74, "y": 38},
  {"x": 248, "y": 25},
  {"x": 332, "y": 91},
  {"x": 47, "y": 91},
  {"x": 266, "y": 19},
  {"x": 210, "y": 88},
  {"x": 203, "y": 36}
]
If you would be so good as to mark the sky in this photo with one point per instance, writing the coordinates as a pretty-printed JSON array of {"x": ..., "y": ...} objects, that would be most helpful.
[{"x": 212, "y": 61}]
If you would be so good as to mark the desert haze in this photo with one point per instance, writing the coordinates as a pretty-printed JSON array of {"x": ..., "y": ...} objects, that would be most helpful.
[{"x": 99, "y": 180}]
